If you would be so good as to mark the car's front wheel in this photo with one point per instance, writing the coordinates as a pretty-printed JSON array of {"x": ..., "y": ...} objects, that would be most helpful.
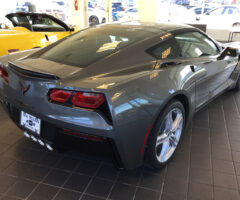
[
  {"x": 166, "y": 135},
  {"x": 236, "y": 24},
  {"x": 93, "y": 20}
]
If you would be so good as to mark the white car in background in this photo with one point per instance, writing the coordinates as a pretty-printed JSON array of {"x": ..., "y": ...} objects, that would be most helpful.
[
  {"x": 174, "y": 13},
  {"x": 96, "y": 16},
  {"x": 201, "y": 9},
  {"x": 220, "y": 21},
  {"x": 130, "y": 14}
]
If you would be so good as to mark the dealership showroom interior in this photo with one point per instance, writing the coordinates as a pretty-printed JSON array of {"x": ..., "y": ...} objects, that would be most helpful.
[{"x": 120, "y": 100}]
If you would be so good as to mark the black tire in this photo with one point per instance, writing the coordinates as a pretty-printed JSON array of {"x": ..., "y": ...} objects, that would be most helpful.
[
  {"x": 93, "y": 20},
  {"x": 236, "y": 24},
  {"x": 237, "y": 87},
  {"x": 151, "y": 152}
]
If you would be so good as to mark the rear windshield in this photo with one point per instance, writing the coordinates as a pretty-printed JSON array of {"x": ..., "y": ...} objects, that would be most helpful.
[{"x": 92, "y": 44}]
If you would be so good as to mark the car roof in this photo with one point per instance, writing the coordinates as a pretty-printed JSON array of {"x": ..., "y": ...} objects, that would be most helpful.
[{"x": 154, "y": 28}]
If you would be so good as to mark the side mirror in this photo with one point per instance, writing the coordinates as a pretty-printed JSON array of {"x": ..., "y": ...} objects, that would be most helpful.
[
  {"x": 197, "y": 18},
  {"x": 228, "y": 51},
  {"x": 207, "y": 13},
  {"x": 71, "y": 29}
]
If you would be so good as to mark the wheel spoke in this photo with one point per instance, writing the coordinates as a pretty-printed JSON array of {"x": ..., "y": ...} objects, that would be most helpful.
[
  {"x": 164, "y": 152},
  {"x": 169, "y": 121},
  {"x": 173, "y": 141},
  {"x": 161, "y": 139},
  {"x": 177, "y": 122}
]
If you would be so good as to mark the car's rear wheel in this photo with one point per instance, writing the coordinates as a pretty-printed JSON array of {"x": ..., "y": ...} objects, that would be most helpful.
[
  {"x": 166, "y": 135},
  {"x": 237, "y": 87}
]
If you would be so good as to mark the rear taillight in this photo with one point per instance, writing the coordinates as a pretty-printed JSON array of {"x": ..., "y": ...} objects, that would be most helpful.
[
  {"x": 3, "y": 74},
  {"x": 61, "y": 96},
  {"x": 88, "y": 100},
  {"x": 80, "y": 99}
]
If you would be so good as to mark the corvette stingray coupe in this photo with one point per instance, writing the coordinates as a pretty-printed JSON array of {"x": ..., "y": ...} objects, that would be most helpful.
[
  {"x": 31, "y": 30},
  {"x": 132, "y": 85}
]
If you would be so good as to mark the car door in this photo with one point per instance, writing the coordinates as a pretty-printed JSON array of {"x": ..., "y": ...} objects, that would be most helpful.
[{"x": 211, "y": 74}]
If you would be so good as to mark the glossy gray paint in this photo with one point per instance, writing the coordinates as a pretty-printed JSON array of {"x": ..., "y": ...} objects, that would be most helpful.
[{"x": 136, "y": 86}]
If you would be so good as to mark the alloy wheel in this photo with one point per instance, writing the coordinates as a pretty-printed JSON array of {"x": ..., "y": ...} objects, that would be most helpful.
[{"x": 169, "y": 135}]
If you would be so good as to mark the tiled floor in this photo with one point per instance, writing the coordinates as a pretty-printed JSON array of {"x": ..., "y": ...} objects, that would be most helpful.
[{"x": 206, "y": 165}]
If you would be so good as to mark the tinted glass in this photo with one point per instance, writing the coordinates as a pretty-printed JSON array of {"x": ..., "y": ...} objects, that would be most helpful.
[
  {"x": 92, "y": 44},
  {"x": 198, "y": 11},
  {"x": 165, "y": 50},
  {"x": 195, "y": 44},
  {"x": 231, "y": 11},
  {"x": 217, "y": 11}
]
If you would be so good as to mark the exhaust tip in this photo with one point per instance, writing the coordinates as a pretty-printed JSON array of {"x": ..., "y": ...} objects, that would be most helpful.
[
  {"x": 33, "y": 138},
  {"x": 49, "y": 147},
  {"x": 41, "y": 142},
  {"x": 26, "y": 134}
]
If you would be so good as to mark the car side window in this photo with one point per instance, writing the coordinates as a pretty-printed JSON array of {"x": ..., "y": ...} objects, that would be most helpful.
[
  {"x": 165, "y": 50},
  {"x": 217, "y": 11},
  {"x": 40, "y": 23},
  {"x": 37, "y": 23},
  {"x": 235, "y": 11},
  {"x": 231, "y": 11},
  {"x": 198, "y": 11},
  {"x": 195, "y": 44}
]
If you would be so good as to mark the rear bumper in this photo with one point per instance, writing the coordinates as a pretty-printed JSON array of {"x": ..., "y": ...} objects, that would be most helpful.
[{"x": 53, "y": 134}]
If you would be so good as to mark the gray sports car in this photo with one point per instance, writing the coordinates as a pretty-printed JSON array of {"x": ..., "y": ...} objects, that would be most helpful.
[{"x": 132, "y": 85}]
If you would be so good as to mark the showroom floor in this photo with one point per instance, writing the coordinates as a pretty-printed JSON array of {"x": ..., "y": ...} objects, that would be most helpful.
[{"x": 206, "y": 165}]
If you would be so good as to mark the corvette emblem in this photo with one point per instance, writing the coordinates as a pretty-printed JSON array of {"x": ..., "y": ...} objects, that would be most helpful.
[{"x": 25, "y": 88}]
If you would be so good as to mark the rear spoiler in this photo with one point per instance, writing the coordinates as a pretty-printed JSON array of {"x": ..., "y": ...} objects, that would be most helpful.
[{"x": 32, "y": 73}]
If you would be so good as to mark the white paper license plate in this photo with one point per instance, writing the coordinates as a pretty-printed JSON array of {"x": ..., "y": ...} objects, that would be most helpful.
[{"x": 30, "y": 122}]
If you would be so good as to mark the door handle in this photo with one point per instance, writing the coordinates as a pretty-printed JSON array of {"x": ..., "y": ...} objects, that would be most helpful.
[
  {"x": 193, "y": 68},
  {"x": 47, "y": 38}
]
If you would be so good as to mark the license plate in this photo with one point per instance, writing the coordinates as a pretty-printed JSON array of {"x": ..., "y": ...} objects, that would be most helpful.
[{"x": 30, "y": 122}]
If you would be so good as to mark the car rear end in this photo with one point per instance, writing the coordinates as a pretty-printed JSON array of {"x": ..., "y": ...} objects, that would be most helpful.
[
  {"x": 73, "y": 89},
  {"x": 45, "y": 110}
]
